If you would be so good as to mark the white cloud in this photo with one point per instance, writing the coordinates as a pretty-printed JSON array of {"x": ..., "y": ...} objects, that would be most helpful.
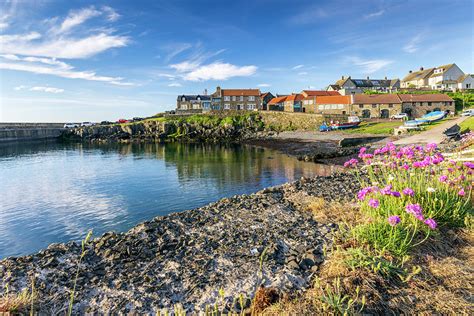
[
  {"x": 19, "y": 88},
  {"x": 56, "y": 68},
  {"x": 297, "y": 67},
  {"x": 112, "y": 15},
  {"x": 176, "y": 49},
  {"x": 76, "y": 18},
  {"x": 302, "y": 73},
  {"x": 412, "y": 45},
  {"x": 47, "y": 89},
  {"x": 62, "y": 47},
  {"x": 185, "y": 66},
  {"x": 370, "y": 66},
  {"x": 175, "y": 84},
  {"x": 264, "y": 85},
  {"x": 374, "y": 14},
  {"x": 219, "y": 71}
]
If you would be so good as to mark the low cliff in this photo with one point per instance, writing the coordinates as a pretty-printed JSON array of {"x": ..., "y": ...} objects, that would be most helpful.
[{"x": 196, "y": 128}]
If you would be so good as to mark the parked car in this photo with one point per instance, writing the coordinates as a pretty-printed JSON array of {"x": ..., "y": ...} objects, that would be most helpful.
[
  {"x": 137, "y": 119},
  {"x": 400, "y": 116},
  {"x": 469, "y": 112},
  {"x": 105, "y": 123},
  {"x": 121, "y": 121},
  {"x": 70, "y": 125}
]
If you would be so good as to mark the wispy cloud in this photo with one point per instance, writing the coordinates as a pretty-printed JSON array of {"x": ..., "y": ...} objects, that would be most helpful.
[
  {"x": 40, "y": 89},
  {"x": 309, "y": 15},
  {"x": 175, "y": 84},
  {"x": 297, "y": 67},
  {"x": 185, "y": 66},
  {"x": 375, "y": 14},
  {"x": 110, "y": 13},
  {"x": 54, "y": 67},
  {"x": 412, "y": 45},
  {"x": 369, "y": 66},
  {"x": 8, "y": 9},
  {"x": 264, "y": 85},
  {"x": 302, "y": 73},
  {"x": 219, "y": 71},
  {"x": 76, "y": 18},
  {"x": 176, "y": 49}
]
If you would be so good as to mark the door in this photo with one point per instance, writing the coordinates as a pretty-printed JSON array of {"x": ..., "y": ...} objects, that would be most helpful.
[
  {"x": 384, "y": 113},
  {"x": 366, "y": 113}
]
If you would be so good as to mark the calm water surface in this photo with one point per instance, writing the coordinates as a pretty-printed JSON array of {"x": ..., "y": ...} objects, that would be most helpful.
[{"x": 52, "y": 192}]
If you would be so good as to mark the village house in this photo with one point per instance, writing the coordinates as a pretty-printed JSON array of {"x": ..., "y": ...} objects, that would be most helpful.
[
  {"x": 416, "y": 105},
  {"x": 376, "y": 105},
  {"x": 445, "y": 77},
  {"x": 334, "y": 104},
  {"x": 277, "y": 103},
  {"x": 293, "y": 103},
  {"x": 236, "y": 99},
  {"x": 266, "y": 97},
  {"x": 347, "y": 85},
  {"x": 193, "y": 103},
  {"x": 310, "y": 96}
]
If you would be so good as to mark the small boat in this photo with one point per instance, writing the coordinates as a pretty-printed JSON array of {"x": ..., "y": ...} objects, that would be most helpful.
[
  {"x": 427, "y": 118},
  {"x": 433, "y": 116},
  {"x": 352, "y": 121}
]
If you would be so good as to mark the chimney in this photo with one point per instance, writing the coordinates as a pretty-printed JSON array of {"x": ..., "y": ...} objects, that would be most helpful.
[
  {"x": 218, "y": 91},
  {"x": 205, "y": 91},
  {"x": 421, "y": 68},
  {"x": 385, "y": 77},
  {"x": 342, "y": 78},
  {"x": 410, "y": 72},
  {"x": 368, "y": 78},
  {"x": 349, "y": 77}
]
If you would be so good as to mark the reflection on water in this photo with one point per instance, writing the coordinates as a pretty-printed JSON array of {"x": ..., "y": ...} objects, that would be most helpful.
[{"x": 54, "y": 192}]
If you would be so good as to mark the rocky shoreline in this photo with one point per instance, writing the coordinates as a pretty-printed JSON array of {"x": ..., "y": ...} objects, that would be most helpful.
[{"x": 217, "y": 254}]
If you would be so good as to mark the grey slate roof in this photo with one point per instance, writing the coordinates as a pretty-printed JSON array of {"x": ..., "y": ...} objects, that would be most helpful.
[{"x": 189, "y": 97}]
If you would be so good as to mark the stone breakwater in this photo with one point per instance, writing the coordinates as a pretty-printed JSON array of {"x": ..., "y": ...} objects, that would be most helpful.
[{"x": 234, "y": 245}]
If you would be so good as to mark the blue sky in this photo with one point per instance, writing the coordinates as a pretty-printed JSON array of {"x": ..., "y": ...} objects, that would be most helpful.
[{"x": 104, "y": 60}]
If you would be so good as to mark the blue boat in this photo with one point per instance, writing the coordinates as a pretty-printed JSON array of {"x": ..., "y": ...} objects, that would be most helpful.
[{"x": 427, "y": 118}]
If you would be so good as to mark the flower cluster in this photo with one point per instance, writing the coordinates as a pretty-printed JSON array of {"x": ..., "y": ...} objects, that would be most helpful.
[{"x": 351, "y": 163}]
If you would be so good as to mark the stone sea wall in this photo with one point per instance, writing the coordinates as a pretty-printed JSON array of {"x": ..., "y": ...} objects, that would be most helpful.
[{"x": 194, "y": 258}]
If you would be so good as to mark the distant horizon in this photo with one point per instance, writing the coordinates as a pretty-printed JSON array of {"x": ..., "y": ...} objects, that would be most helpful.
[{"x": 106, "y": 60}]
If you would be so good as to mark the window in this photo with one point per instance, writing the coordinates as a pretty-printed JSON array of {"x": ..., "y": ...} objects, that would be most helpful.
[
  {"x": 250, "y": 106},
  {"x": 251, "y": 98},
  {"x": 183, "y": 99},
  {"x": 241, "y": 98},
  {"x": 390, "y": 105},
  {"x": 361, "y": 106},
  {"x": 321, "y": 107},
  {"x": 374, "y": 106},
  {"x": 340, "y": 106},
  {"x": 227, "y": 98},
  {"x": 429, "y": 103},
  {"x": 234, "y": 98},
  {"x": 227, "y": 106}
]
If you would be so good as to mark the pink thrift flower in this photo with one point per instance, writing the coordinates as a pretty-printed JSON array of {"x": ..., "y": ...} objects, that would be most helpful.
[
  {"x": 394, "y": 220},
  {"x": 395, "y": 193},
  {"x": 443, "y": 178},
  {"x": 431, "y": 223},
  {"x": 469, "y": 164},
  {"x": 408, "y": 191},
  {"x": 415, "y": 209},
  {"x": 374, "y": 203},
  {"x": 387, "y": 190},
  {"x": 461, "y": 192}
]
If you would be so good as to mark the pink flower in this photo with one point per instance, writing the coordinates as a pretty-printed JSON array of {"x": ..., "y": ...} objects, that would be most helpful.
[
  {"x": 443, "y": 178},
  {"x": 387, "y": 190},
  {"x": 394, "y": 220},
  {"x": 461, "y": 192},
  {"x": 408, "y": 191},
  {"x": 469, "y": 164},
  {"x": 395, "y": 193},
  {"x": 351, "y": 163},
  {"x": 431, "y": 147},
  {"x": 431, "y": 223},
  {"x": 374, "y": 203},
  {"x": 406, "y": 166},
  {"x": 415, "y": 210}
]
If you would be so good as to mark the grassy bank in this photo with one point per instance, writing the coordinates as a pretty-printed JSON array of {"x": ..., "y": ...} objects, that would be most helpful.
[{"x": 377, "y": 128}]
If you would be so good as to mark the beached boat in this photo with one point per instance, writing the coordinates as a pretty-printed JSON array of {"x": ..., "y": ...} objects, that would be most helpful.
[
  {"x": 352, "y": 121},
  {"x": 427, "y": 118}
]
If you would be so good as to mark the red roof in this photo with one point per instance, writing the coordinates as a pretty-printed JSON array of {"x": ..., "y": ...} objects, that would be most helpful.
[
  {"x": 334, "y": 99},
  {"x": 295, "y": 97},
  {"x": 317, "y": 93},
  {"x": 277, "y": 100},
  {"x": 239, "y": 92},
  {"x": 361, "y": 98},
  {"x": 438, "y": 97}
]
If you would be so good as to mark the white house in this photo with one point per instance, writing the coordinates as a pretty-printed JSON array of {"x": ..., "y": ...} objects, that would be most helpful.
[{"x": 445, "y": 77}]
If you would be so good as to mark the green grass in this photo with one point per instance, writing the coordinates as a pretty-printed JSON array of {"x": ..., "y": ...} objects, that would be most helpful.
[
  {"x": 375, "y": 128},
  {"x": 467, "y": 125}
]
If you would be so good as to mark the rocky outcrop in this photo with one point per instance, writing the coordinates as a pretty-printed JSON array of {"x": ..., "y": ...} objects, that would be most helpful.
[
  {"x": 204, "y": 256},
  {"x": 214, "y": 130}
]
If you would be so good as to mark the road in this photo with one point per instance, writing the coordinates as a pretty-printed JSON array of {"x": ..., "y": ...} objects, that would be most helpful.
[{"x": 434, "y": 135}]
